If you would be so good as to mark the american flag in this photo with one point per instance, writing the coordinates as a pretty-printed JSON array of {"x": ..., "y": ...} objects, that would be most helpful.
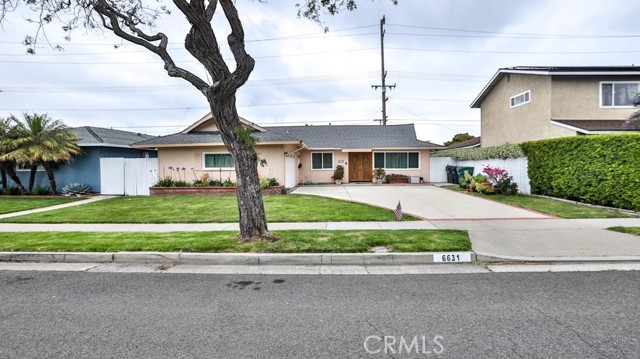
[{"x": 398, "y": 212}]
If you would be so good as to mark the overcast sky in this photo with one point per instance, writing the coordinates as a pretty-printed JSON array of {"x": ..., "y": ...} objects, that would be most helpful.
[{"x": 438, "y": 53}]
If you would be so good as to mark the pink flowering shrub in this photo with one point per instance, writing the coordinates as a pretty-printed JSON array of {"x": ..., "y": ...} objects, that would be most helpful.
[{"x": 501, "y": 180}]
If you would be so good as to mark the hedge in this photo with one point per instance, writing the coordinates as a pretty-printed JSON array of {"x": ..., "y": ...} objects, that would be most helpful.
[
  {"x": 600, "y": 169},
  {"x": 482, "y": 153}
]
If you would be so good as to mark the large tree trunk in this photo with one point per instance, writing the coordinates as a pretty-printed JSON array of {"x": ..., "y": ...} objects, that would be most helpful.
[
  {"x": 32, "y": 176},
  {"x": 52, "y": 181},
  {"x": 8, "y": 168},
  {"x": 253, "y": 222}
]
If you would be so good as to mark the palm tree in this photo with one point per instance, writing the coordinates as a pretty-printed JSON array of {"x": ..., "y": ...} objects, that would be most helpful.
[
  {"x": 7, "y": 144},
  {"x": 40, "y": 140}
]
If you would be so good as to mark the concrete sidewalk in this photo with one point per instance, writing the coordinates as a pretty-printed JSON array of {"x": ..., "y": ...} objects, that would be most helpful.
[{"x": 530, "y": 240}]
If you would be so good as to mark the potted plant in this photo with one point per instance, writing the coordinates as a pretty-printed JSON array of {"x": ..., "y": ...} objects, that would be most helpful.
[
  {"x": 338, "y": 174},
  {"x": 379, "y": 174}
]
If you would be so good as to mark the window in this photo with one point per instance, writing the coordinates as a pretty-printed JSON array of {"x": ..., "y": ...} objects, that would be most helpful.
[
  {"x": 322, "y": 160},
  {"x": 618, "y": 94},
  {"x": 396, "y": 160},
  {"x": 520, "y": 99},
  {"x": 217, "y": 160}
]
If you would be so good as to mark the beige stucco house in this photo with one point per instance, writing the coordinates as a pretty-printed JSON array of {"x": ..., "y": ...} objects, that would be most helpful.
[
  {"x": 532, "y": 103},
  {"x": 296, "y": 154}
]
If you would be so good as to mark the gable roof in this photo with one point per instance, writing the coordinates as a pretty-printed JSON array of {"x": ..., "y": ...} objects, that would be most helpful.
[
  {"x": 209, "y": 117},
  {"x": 97, "y": 136},
  {"x": 314, "y": 137},
  {"x": 212, "y": 138},
  {"x": 596, "y": 126},
  {"x": 554, "y": 71}
]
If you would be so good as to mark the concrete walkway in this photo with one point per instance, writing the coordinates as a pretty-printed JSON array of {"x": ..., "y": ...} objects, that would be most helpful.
[{"x": 53, "y": 208}]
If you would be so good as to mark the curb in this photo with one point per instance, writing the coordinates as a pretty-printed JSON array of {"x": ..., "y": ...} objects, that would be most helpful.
[
  {"x": 494, "y": 258},
  {"x": 227, "y": 258}
]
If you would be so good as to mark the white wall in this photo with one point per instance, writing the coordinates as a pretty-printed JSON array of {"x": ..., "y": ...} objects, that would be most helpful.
[{"x": 517, "y": 167}]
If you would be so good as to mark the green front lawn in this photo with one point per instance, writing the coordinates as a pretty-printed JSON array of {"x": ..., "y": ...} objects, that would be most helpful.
[
  {"x": 304, "y": 241},
  {"x": 209, "y": 209},
  {"x": 550, "y": 206},
  {"x": 629, "y": 230},
  {"x": 17, "y": 204}
]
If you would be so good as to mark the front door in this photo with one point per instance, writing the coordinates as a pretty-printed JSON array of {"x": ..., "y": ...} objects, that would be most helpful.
[{"x": 360, "y": 168}]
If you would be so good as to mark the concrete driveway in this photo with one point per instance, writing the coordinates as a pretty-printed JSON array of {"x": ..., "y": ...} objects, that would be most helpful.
[{"x": 426, "y": 201}]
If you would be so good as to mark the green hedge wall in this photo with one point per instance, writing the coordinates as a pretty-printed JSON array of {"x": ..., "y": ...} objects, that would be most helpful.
[{"x": 601, "y": 169}]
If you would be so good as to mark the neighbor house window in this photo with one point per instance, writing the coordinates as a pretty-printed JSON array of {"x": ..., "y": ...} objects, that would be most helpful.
[
  {"x": 217, "y": 160},
  {"x": 396, "y": 160},
  {"x": 618, "y": 94},
  {"x": 520, "y": 99},
  {"x": 322, "y": 160}
]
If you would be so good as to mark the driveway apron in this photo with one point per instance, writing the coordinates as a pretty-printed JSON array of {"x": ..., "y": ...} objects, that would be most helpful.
[{"x": 425, "y": 201}]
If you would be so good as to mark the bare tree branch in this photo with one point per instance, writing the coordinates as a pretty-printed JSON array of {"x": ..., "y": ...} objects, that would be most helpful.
[{"x": 143, "y": 39}]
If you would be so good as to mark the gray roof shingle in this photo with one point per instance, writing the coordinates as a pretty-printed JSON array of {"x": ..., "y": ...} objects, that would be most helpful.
[
  {"x": 97, "y": 136},
  {"x": 316, "y": 137},
  {"x": 356, "y": 136}
]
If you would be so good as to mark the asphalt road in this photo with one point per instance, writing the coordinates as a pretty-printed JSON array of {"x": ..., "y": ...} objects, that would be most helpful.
[{"x": 498, "y": 315}]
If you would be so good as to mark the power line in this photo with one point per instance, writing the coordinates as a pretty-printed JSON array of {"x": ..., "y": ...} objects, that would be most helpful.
[{"x": 521, "y": 34}]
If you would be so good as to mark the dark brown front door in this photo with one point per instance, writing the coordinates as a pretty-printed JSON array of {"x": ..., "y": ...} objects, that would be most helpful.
[{"x": 360, "y": 169}]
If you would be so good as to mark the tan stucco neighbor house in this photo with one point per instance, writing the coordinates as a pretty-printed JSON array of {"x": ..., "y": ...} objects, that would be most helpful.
[
  {"x": 527, "y": 103},
  {"x": 297, "y": 154}
]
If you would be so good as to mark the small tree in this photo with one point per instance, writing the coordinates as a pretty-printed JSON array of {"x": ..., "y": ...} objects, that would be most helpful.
[
  {"x": 40, "y": 140},
  {"x": 460, "y": 137}
]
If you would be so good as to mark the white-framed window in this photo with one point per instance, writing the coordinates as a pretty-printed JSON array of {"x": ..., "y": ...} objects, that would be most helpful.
[
  {"x": 520, "y": 99},
  {"x": 618, "y": 93},
  {"x": 396, "y": 160},
  {"x": 321, "y": 160},
  {"x": 27, "y": 167},
  {"x": 217, "y": 160}
]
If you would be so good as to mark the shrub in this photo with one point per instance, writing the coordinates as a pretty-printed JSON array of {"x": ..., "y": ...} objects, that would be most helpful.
[
  {"x": 338, "y": 173},
  {"x": 180, "y": 183},
  {"x": 11, "y": 191},
  {"x": 600, "y": 169},
  {"x": 76, "y": 189},
  {"x": 42, "y": 191},
  {"x": 396, "y": 175},
  {"x": 165, "y": 182}
]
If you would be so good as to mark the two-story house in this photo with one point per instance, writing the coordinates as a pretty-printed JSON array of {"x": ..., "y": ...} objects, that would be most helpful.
[{"x": 527, "y": 103}]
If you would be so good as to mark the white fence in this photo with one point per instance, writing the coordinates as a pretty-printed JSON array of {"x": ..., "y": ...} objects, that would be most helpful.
[
  {"x": 128, "y": 176},
  {"x": 517, "y": 167}
]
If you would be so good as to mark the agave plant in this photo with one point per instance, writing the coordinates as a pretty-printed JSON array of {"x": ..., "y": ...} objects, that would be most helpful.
[{"x": 76, "y": 189}]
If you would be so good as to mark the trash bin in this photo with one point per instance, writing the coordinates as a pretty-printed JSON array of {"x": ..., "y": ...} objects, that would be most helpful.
[
  {"x": 452, "y": 175},
  {"x": 461, "y": 170}
]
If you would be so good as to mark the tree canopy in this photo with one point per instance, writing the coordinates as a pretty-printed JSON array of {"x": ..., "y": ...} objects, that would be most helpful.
[{"x": 134, "y": 21}]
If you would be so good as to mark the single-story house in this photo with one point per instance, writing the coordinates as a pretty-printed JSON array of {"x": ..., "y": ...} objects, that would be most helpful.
[
  {"x": 296, "y": 154},
  {"x": 528, "y": 103},
  {"x": 96, "y": 143}
]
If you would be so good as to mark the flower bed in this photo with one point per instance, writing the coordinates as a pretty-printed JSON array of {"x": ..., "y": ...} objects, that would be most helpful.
[{"x": 206, "y": 191}]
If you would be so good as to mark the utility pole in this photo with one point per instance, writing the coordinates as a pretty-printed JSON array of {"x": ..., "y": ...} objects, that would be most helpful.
[{"x": 384, "y": 86}]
